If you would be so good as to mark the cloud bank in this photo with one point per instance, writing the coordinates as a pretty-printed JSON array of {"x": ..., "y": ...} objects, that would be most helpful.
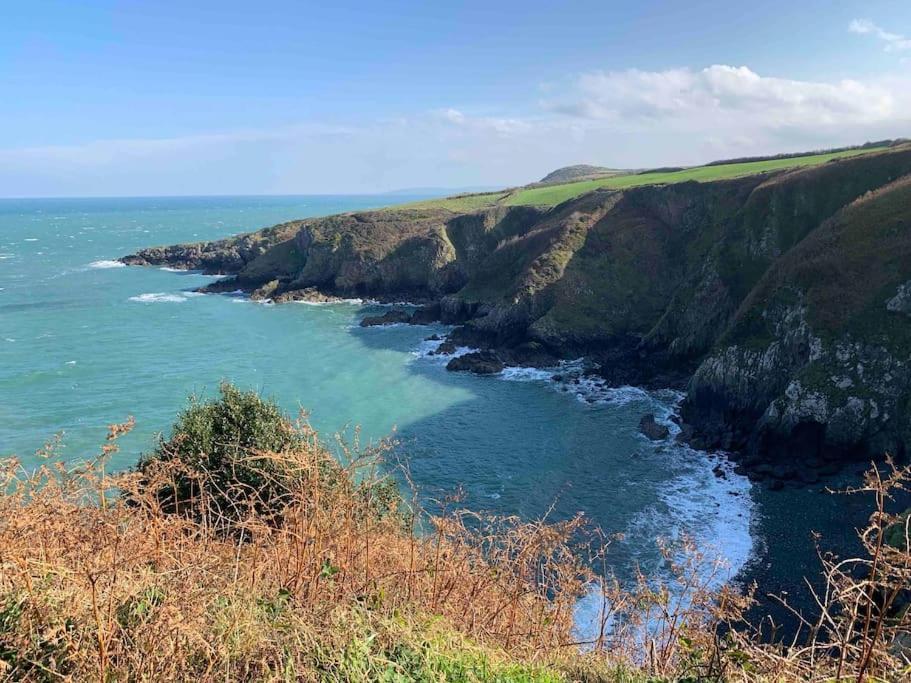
[{"x": 625, "y": 119}]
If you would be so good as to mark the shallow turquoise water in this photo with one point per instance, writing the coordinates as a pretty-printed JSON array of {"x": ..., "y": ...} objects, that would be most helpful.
[{"x": 84, "y": 344}]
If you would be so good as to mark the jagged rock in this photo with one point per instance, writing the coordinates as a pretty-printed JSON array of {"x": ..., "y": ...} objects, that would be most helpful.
[
  {"x": 265, "y": 292},
  {"x": 901, "y": 302},
  {"x": 425, "y": 315},
  {"x": 310, "y": 294},
  {"x": 653, "y": 430},
  {"x": 447, "y": 348},
  {"x": 393, "y": 317},
  {"x": 530, "y": 354},
  {"x": 479, "y": 362},
  {"x": 685, "y": 435}
]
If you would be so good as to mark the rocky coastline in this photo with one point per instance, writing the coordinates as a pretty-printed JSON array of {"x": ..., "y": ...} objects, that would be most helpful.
[{"x": 778, "y": 302}]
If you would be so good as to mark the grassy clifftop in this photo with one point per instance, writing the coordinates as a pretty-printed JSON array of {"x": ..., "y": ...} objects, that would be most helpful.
[{"x": 558, "y": 191}]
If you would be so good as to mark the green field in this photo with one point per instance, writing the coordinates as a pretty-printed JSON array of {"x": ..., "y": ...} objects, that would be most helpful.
[
  {"x": 555, "y": 194},
  {"x": 460, "y": 203}
]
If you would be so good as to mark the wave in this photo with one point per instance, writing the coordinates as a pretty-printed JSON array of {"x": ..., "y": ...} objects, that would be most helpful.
[
  {"x": 158, "y": 297},
  {"x": 704, "y": 500},
  {"x": 103, "y": 264},
  {"x": 336, "y": 302},
  {"x": 428, "y": 348},
  {"x": 518, "y": 374}
]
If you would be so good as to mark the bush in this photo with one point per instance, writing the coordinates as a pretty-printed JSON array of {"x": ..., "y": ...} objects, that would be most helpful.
[{"x": 235, "y": 457}]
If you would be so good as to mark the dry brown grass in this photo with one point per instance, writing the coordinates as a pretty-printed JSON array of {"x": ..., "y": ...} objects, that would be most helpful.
[{"x": 98, "y": 582}]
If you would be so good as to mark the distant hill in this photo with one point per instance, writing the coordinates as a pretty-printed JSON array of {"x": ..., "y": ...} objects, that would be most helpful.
[{"x": 568, "y": 174}]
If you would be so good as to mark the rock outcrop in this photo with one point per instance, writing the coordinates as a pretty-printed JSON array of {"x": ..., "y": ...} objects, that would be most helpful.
[
  {"x": 782, "y": 301},
  {"x": 652, "y": 429}
]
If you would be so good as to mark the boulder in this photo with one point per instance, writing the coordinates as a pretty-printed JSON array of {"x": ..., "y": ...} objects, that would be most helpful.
[
  {"x": 447, "y": 348},
  {"x": 479, "y": 362},
  {"x": 393, "y": 317},
  {"x": 265, "y": 291},
  {"x": 653, "y": 430}
]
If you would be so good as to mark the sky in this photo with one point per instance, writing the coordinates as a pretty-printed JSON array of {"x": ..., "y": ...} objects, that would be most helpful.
[{"x": 159, "y": 98}]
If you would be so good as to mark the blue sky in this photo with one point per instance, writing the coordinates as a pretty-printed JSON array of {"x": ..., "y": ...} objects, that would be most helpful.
[{"x": 131, "y": 98}]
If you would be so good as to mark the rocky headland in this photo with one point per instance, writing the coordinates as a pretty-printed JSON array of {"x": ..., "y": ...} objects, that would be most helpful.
[{"x": 781, "y": 301}]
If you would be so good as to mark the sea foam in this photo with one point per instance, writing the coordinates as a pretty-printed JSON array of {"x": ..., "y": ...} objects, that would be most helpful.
[
  {"x": 101, "y": 265},
  {"x": 158, "y": 297}
]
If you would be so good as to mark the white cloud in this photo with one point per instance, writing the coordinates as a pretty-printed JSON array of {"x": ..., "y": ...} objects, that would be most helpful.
[
  {"x": 894, "y": 42},
  {"x": 726, "y": 94},
  {"x": 500, "y": 125}
]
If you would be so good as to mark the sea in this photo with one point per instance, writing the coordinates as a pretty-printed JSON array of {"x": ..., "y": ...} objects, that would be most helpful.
[{"x": 86, "y": 342}]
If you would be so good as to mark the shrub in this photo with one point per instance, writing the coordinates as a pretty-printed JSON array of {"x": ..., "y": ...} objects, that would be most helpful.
[{"x": 234, "y": 457}]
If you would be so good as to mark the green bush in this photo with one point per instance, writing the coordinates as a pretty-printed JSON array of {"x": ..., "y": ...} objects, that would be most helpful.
[{"x": 232, "y": 457}]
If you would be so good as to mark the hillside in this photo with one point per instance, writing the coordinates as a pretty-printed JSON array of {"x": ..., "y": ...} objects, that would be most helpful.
[
  {"x": 661, "y": 279},
  {"x": 569, "y": 174}
]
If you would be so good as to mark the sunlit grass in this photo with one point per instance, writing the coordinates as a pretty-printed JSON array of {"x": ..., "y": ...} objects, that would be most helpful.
[{"x": 555, "y": 194}]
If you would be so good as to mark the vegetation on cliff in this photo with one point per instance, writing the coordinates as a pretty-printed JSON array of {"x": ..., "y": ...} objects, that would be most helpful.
[{"x": 102, "y": 579}]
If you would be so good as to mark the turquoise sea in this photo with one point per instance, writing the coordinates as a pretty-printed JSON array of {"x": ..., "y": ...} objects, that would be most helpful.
[{"x": 84, "y": 343}]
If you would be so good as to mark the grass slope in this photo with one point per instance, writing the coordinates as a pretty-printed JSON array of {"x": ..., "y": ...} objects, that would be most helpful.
[
  {"x": 560, "y": 193},
  {"x": 552, "y": 195}
]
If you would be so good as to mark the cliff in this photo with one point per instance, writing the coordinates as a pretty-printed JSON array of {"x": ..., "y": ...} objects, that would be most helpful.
[{"x": 780, "y": 299}]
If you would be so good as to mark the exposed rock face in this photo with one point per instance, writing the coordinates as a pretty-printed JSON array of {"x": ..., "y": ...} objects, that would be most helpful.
[
  {"x": 816, "y": 365},
  {"x": 782, "y": 299},
  {"x": 222, "y": 257}
]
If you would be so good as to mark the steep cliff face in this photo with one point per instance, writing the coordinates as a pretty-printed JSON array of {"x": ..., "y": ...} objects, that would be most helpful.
[
  {"x": 782, "y": 298},
  {"x": 818, "y": 357}
]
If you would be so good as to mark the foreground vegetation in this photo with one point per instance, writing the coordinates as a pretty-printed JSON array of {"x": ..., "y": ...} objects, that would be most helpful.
[{"x": 243, "y": 550}]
